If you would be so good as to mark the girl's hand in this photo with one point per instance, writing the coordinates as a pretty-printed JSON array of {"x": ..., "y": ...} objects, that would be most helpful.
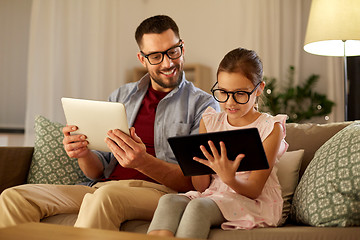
[{"x": 222, "y": 166}]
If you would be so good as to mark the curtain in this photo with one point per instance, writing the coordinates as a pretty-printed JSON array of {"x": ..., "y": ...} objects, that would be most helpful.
[
  {"x": 73, "y": 47},
  {"x": 276, "y": 30},
  {"x": 86, "y": 48}
]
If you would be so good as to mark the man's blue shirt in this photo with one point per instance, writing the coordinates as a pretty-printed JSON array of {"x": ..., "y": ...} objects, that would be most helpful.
[{"x": 178, "y": 113}]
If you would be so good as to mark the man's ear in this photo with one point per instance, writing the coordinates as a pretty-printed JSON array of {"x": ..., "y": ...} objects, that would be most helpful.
[
  {"x": 183, "y": 49},
  {"x": 141, "y": 59}
]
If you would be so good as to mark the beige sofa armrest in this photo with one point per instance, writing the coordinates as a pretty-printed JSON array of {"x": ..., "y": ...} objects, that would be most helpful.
[{"x": 14, "y": 165}]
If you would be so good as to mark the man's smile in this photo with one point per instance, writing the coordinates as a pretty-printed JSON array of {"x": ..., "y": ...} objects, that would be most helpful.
[{"x": 169, "y": 73}]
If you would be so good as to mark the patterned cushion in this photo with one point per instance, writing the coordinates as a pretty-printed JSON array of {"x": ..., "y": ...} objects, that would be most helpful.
[
  {"x": 329, "y": 191},
  {"x": 50, "y": 163}
]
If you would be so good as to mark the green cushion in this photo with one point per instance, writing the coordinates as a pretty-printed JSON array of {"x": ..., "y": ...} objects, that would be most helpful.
[
  {"x": 50, "y": 163},
  {"x": 329, "y": 191}
]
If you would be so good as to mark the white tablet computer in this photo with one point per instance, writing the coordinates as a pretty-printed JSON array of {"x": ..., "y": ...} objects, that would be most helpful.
[
  {"x": 94, "y": 119},
  {"x": 246, "y": 141}
]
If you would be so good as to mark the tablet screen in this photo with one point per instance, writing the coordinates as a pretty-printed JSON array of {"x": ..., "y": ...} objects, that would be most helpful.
[
  {"x": 94, "y": 119},
  {"x": 246, "y": 141}
]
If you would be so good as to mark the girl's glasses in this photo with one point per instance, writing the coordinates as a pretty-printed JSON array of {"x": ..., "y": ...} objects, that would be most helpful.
[{"x": 241, "y": 97}]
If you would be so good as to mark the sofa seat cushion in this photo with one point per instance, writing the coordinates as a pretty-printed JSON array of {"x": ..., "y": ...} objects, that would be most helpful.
[
  {"x": 329, "y": 191},
  {"x": 67, "y": 219},
  {"x": 287, "y": 233},
  {"x": 280, "y": 233}
]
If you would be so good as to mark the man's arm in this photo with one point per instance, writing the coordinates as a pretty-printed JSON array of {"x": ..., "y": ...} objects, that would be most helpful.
[
  {"x": 130, "y": 152},
  {"x": 168, "y": 174}
]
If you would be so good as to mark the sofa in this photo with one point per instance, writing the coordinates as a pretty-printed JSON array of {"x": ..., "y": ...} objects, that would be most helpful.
[{"x": 304, "y": 139}]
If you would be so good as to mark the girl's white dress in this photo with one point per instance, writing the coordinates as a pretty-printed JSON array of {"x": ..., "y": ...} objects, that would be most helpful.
[{"x": 239, "y": 211}]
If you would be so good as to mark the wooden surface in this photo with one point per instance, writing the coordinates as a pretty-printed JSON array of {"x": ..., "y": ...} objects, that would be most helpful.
[{"x": 45, "y": 231}]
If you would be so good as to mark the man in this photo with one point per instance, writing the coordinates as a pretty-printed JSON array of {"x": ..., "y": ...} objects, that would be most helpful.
[{"x": 128, "y": 181}]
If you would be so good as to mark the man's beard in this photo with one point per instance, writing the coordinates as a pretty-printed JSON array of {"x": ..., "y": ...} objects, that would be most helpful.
[{"x": 171, "y": 84}]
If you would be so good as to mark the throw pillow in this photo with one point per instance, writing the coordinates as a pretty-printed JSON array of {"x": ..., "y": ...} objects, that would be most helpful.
[
  {"x": 50, "y": 163},
  {"x": 329, "y": 191},
  {"x": 288, "y": 175}
]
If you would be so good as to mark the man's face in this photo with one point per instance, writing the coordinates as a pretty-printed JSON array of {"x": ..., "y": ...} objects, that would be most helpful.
[{"x": 166, "y": 75}]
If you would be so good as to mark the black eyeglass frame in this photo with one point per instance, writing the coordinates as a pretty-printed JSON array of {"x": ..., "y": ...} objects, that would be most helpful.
[
  {"x": 163, "y": 53},
  {"x": 233, "y": 94}
]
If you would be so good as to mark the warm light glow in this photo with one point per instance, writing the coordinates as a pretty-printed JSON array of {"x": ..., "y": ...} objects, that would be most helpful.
[
  {"x": 334, "y": 48},
  {"x": 331, "y": 22}
]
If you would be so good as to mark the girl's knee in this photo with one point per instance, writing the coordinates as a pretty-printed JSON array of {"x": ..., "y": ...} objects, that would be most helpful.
[
  {"x": 172, "y": 203},
  {"x": 204, "y": 209},
  {"x": 168, "y": 199},
  {"x": 200, "y": 205}
]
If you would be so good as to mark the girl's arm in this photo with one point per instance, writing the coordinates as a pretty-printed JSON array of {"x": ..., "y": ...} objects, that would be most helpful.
[
  {"x": 253, "y": 186},
  {"x": 201, "y": 183},
  {"x": 226, "y": 169}
]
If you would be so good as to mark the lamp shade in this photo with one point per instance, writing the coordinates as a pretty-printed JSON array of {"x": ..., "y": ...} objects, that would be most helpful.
[{"x": 331, "y": 24}]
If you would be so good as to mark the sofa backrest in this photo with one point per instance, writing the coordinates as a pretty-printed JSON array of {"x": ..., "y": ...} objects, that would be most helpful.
[
  {"x": 310, "y": 137},
  {"x": 15, "y": 161}
]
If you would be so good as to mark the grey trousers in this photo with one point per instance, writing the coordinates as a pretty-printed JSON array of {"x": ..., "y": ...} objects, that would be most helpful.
[{"x": 186, "y": 218}]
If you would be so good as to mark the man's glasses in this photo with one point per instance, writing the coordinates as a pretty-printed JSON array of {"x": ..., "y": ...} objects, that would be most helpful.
[
  {"x": 157, "y": 57},
  {"x": 241, "y": 97}
]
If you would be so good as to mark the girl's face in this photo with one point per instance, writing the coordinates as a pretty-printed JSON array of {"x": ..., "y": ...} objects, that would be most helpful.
[{"x": 239, "y": 114}]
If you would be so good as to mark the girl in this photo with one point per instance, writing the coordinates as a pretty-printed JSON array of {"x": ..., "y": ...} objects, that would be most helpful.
[{"x": 234, "y": 200}]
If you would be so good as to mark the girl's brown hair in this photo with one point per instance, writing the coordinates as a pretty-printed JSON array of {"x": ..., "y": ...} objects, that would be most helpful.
[{"x": 246, "y": 62}]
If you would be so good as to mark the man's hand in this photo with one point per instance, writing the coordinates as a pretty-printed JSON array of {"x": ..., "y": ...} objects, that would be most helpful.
[
  {"x": 75, "y": 145},
  {"x": 130, "y": 151}
]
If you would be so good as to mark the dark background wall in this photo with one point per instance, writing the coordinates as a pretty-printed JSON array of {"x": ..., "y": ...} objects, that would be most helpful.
[{"x": 354, "y": 88}]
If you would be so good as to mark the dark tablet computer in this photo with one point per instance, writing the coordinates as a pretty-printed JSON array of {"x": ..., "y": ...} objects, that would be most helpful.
[{"x": 246, "y": 141}]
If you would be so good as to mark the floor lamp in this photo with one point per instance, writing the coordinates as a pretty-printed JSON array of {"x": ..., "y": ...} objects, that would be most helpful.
[{"x": 334, "y": 30}]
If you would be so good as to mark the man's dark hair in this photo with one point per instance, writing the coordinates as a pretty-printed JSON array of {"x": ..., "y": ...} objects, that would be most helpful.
[{"x": 156, "y": 24}]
